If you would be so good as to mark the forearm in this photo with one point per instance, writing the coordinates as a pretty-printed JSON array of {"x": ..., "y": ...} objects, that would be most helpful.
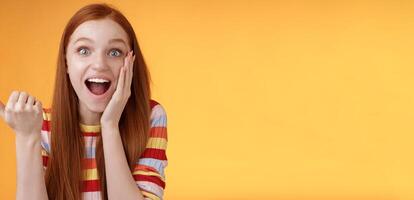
[
  {"x": 120, "y": 182},
  {"x": 30, "y": 172}
]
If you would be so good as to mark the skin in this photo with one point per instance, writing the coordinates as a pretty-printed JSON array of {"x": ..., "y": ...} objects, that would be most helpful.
[
  {"x": 97, "y": 57},
  {"x": 85, "y": 58},
  {"x": 120, "y": 182},
  {"x": 23, "y": 113}
]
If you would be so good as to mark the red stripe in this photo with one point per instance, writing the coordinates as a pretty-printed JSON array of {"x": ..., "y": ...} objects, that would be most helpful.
[
  {"x": 88, "y": 163},
  {"x": 90, "y": 133},
  {"x": 158, "y": 131},
  {"x": 153, "y": 179},
  {"x": 46, "y": 125},
  {"x": 153, "y": 103},
  {"x": 154, "y": 153},
  {"x": 140, "y": 167},
  {"x": 45, "y": 160},
  {"x": 91, "y": 186}
]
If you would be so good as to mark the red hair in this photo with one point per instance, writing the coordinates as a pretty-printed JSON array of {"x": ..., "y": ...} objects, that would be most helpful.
[{"x": 64, "y": 170}]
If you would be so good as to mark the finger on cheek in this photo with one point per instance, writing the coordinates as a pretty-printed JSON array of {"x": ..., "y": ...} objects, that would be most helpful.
[
  {"x": 126, "y": 59},
  {"x": 132, "y": 61},
  {"x": 130, "y": 58},
  {"x": 121, "y": 77}
]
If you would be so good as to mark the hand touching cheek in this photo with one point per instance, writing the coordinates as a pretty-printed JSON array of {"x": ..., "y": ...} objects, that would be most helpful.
[{"x": 116, "y": 105}]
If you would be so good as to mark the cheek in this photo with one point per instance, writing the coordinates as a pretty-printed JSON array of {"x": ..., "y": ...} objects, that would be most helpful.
[
  {"x": 74, "y": 80},
  {"x": 116, "y": 62},
  {"x": 75, "y": 74},
  {"x": 116, "y": 67}
]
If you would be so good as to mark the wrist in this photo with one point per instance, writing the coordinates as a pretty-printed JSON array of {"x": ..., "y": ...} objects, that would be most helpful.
[
  {"x": 109, "y": 129},
  {"x": 109, "y": 123},
  {"x": 28, "y": 139}
]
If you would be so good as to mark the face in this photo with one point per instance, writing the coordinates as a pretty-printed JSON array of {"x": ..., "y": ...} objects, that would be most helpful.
[{"x": 94, "y": 57}]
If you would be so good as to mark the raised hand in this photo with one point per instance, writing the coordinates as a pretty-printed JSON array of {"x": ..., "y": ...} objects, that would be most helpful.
[
  {"x": 23, "y": 113},
  {"x": 116, "y": 105}
]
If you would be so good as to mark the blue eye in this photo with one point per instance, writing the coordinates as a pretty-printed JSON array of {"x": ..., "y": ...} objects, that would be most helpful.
[
  {"x": 85, "y": 51},
  {"x": 117, "y": 52},
  {"x": 82, "y": 50}
]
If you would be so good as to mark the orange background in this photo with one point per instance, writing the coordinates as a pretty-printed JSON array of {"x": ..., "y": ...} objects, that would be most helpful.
[{"x": 265, "y": 99}]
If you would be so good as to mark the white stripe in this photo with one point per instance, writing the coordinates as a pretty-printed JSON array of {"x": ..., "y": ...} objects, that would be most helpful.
[
  {"x": 91, "y": 195},
  {"x": 45, "y": 139},
  {"x": 157, "y": 164},
  {"x": 90, "y": 141},
  {"x": 151, "y": 187},
  {"x": 158, "y": 116}
]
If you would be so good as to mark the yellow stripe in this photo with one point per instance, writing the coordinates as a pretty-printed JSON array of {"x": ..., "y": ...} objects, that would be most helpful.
[
  {"x": 44, "y": 152},
  {"x": 150, "y": 195},
  {"x": 157, "y": 143},
  {"x": 148, "y": 174},
  {"x": 90, "y": 128},
  {"x": 46, "y": 116},
  {"x": 84, "y": 127},
  {"x": 90, "y": 174}
]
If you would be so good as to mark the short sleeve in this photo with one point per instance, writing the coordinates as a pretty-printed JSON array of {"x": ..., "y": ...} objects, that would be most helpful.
[
  {"x": 149, "y": 172},
  {"x": 45, "y": 137}
]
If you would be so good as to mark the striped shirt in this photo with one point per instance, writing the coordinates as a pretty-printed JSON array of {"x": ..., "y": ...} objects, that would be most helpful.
[{"x": 149, "y": 169}]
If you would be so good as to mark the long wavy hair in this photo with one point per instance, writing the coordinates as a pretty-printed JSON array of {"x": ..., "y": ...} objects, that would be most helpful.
[{"x": 64, "y": 171}]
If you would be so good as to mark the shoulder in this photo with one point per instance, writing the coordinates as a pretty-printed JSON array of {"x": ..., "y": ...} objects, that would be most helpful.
[
  {"x": 158, "y": 114},
  {"x": 156, "y": 106}
]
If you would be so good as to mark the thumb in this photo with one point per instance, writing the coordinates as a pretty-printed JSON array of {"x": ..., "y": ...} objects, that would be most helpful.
[{"x": 1, "y": 110}]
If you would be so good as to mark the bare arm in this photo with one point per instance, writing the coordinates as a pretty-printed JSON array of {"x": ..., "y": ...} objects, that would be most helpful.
[
  {"x": 120, "y": 182},
  {"x": 30, "y": 173},
  {"x": 23, "y": 113}
]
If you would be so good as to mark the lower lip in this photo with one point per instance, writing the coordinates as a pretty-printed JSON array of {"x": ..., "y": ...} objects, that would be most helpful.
[{"x": 99, "y": 97}]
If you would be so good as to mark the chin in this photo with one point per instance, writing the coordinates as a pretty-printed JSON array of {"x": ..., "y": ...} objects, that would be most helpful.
[{"x": 97, "y": 108}]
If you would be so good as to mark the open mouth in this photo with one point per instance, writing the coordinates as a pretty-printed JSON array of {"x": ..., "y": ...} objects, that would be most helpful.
[{"x": 97, "y": 86}]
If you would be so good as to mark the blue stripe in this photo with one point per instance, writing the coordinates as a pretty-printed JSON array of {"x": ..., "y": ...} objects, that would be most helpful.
[
  {"x": 159, "y": 121},
  {"x": 45, "y": 146},
  {"x": 154, "y": 163},
  {"x": 90, "y": 152}
]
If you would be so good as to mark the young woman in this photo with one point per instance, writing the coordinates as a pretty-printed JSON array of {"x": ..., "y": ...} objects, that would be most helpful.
[{"x": 103, "y": 137}]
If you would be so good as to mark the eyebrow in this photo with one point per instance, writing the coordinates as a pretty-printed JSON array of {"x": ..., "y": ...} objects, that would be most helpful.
[{"x": 110, "y": 41}]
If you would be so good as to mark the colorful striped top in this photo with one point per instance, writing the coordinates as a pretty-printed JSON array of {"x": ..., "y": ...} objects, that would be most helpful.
[{"x": 149, "y": 170}]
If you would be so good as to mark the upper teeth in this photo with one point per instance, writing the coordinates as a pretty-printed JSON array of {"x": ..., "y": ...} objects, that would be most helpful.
[{"x": 98, "y": 80}]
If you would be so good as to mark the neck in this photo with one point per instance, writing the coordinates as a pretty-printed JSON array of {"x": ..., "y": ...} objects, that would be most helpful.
[{"x": 89, "y": 117}]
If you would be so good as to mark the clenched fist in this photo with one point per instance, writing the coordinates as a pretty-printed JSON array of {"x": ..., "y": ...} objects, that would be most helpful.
[{"x": 23, "y": 113}]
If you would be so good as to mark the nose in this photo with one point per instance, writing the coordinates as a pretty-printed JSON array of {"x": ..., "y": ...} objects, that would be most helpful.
[{"x": 99, "y": 62}]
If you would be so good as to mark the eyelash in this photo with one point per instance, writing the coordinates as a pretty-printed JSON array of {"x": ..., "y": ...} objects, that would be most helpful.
[{"x": 83, "y": 47}]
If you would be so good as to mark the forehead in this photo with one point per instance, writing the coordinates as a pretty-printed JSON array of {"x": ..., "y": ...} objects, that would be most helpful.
[{"x": 99, "y": 31}]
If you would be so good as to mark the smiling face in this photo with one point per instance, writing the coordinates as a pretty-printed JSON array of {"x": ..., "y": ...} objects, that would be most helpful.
[{"x": 94, "y": 57}]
